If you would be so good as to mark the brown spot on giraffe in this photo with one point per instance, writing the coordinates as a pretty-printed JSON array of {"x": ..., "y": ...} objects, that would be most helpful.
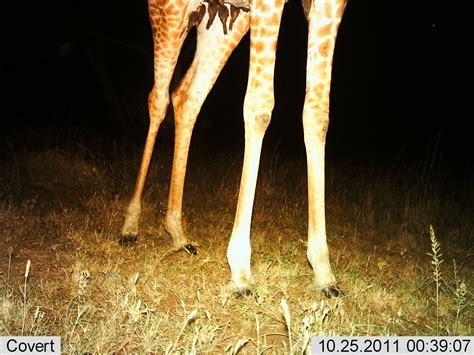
[
  {"x": 255, "y": 82},
  {"x": 267, "y": 77},
  {"x": 259, "y": 46},
  {"x": 274, "y": 20},
  {"x": 265, "y": 8},
  {"x": 325, "y": 30},
  {"x": 324, "y": 48},
  {"x": 327, "y": 10},
  {"x": 264, "y": 32},
  {"x": 264, "y": 61},
  {"x": 173, "y": 12}
]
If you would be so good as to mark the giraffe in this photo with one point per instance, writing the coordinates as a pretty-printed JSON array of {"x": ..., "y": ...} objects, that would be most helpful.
[
  {"x": 264, "y": 19},
  {"x": 170, "y": 20}
]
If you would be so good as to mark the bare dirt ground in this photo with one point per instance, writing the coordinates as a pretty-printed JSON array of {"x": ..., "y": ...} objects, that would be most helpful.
[{"x": 63, "y": 211}]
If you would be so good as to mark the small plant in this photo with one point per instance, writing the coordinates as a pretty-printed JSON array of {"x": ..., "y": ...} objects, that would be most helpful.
[
  {"x": 461, "y": 302},
  {"x": 460, "y": 297},
  {"x": 192, "y": 316},
  {"x": 25, "y": 310},
  {"x": 436, "y": 262},
  {"x": 237, "y": 346},
  {"x": 37, "y": 319},
  {"x": 286, "y": 314}
]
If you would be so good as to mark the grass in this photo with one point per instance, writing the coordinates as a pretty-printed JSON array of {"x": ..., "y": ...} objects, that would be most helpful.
[
  {"x": 62, "y": 272},
  {"x": 436, "y": 261}
]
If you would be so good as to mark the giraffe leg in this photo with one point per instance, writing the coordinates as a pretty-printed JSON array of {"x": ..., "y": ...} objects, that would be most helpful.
[
  {"x": 324, "y": 18},
  {"x": 168, "y": 39},
  {"x": 265, "y": 17},
  {"x": 212, "y": 51}
]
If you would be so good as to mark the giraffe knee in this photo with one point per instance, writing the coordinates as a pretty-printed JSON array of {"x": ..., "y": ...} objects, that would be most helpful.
[
  {"x": 262, "y": 121},
  {"x": 323, "y": 129},
  {"x": 316, "y": 126},
  {"x": 157, "y": 106},
  {"x": 178, "y": 97},
  {"x": 258, "y": 124},
  {"x": 186, "y": 109}
]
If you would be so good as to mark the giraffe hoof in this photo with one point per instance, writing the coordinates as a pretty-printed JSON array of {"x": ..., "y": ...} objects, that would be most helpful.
[
  {"x": 190, "y": 249},
  {"x": 128, "y": 240},
  {"x": 332, "y": 292},
  {"x": 244, "y": 292}
]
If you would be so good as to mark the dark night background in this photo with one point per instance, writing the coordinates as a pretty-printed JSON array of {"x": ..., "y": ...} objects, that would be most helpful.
[{"x": 81, "y": 71}]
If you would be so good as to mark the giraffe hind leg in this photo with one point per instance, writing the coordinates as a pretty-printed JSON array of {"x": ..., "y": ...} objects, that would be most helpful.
[
  {"x": 167, "y": 29},
  {"x": 157, "y": 110},
  {"x": 212, "y": 51}
]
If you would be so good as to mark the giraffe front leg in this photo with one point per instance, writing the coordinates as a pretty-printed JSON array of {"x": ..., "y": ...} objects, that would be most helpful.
[
  {"x": 239, "y": 249},
  {"x": 265, "y": 17},
  {"x": 324, "y": 18},
  {"x": 212, "y": 51}
]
